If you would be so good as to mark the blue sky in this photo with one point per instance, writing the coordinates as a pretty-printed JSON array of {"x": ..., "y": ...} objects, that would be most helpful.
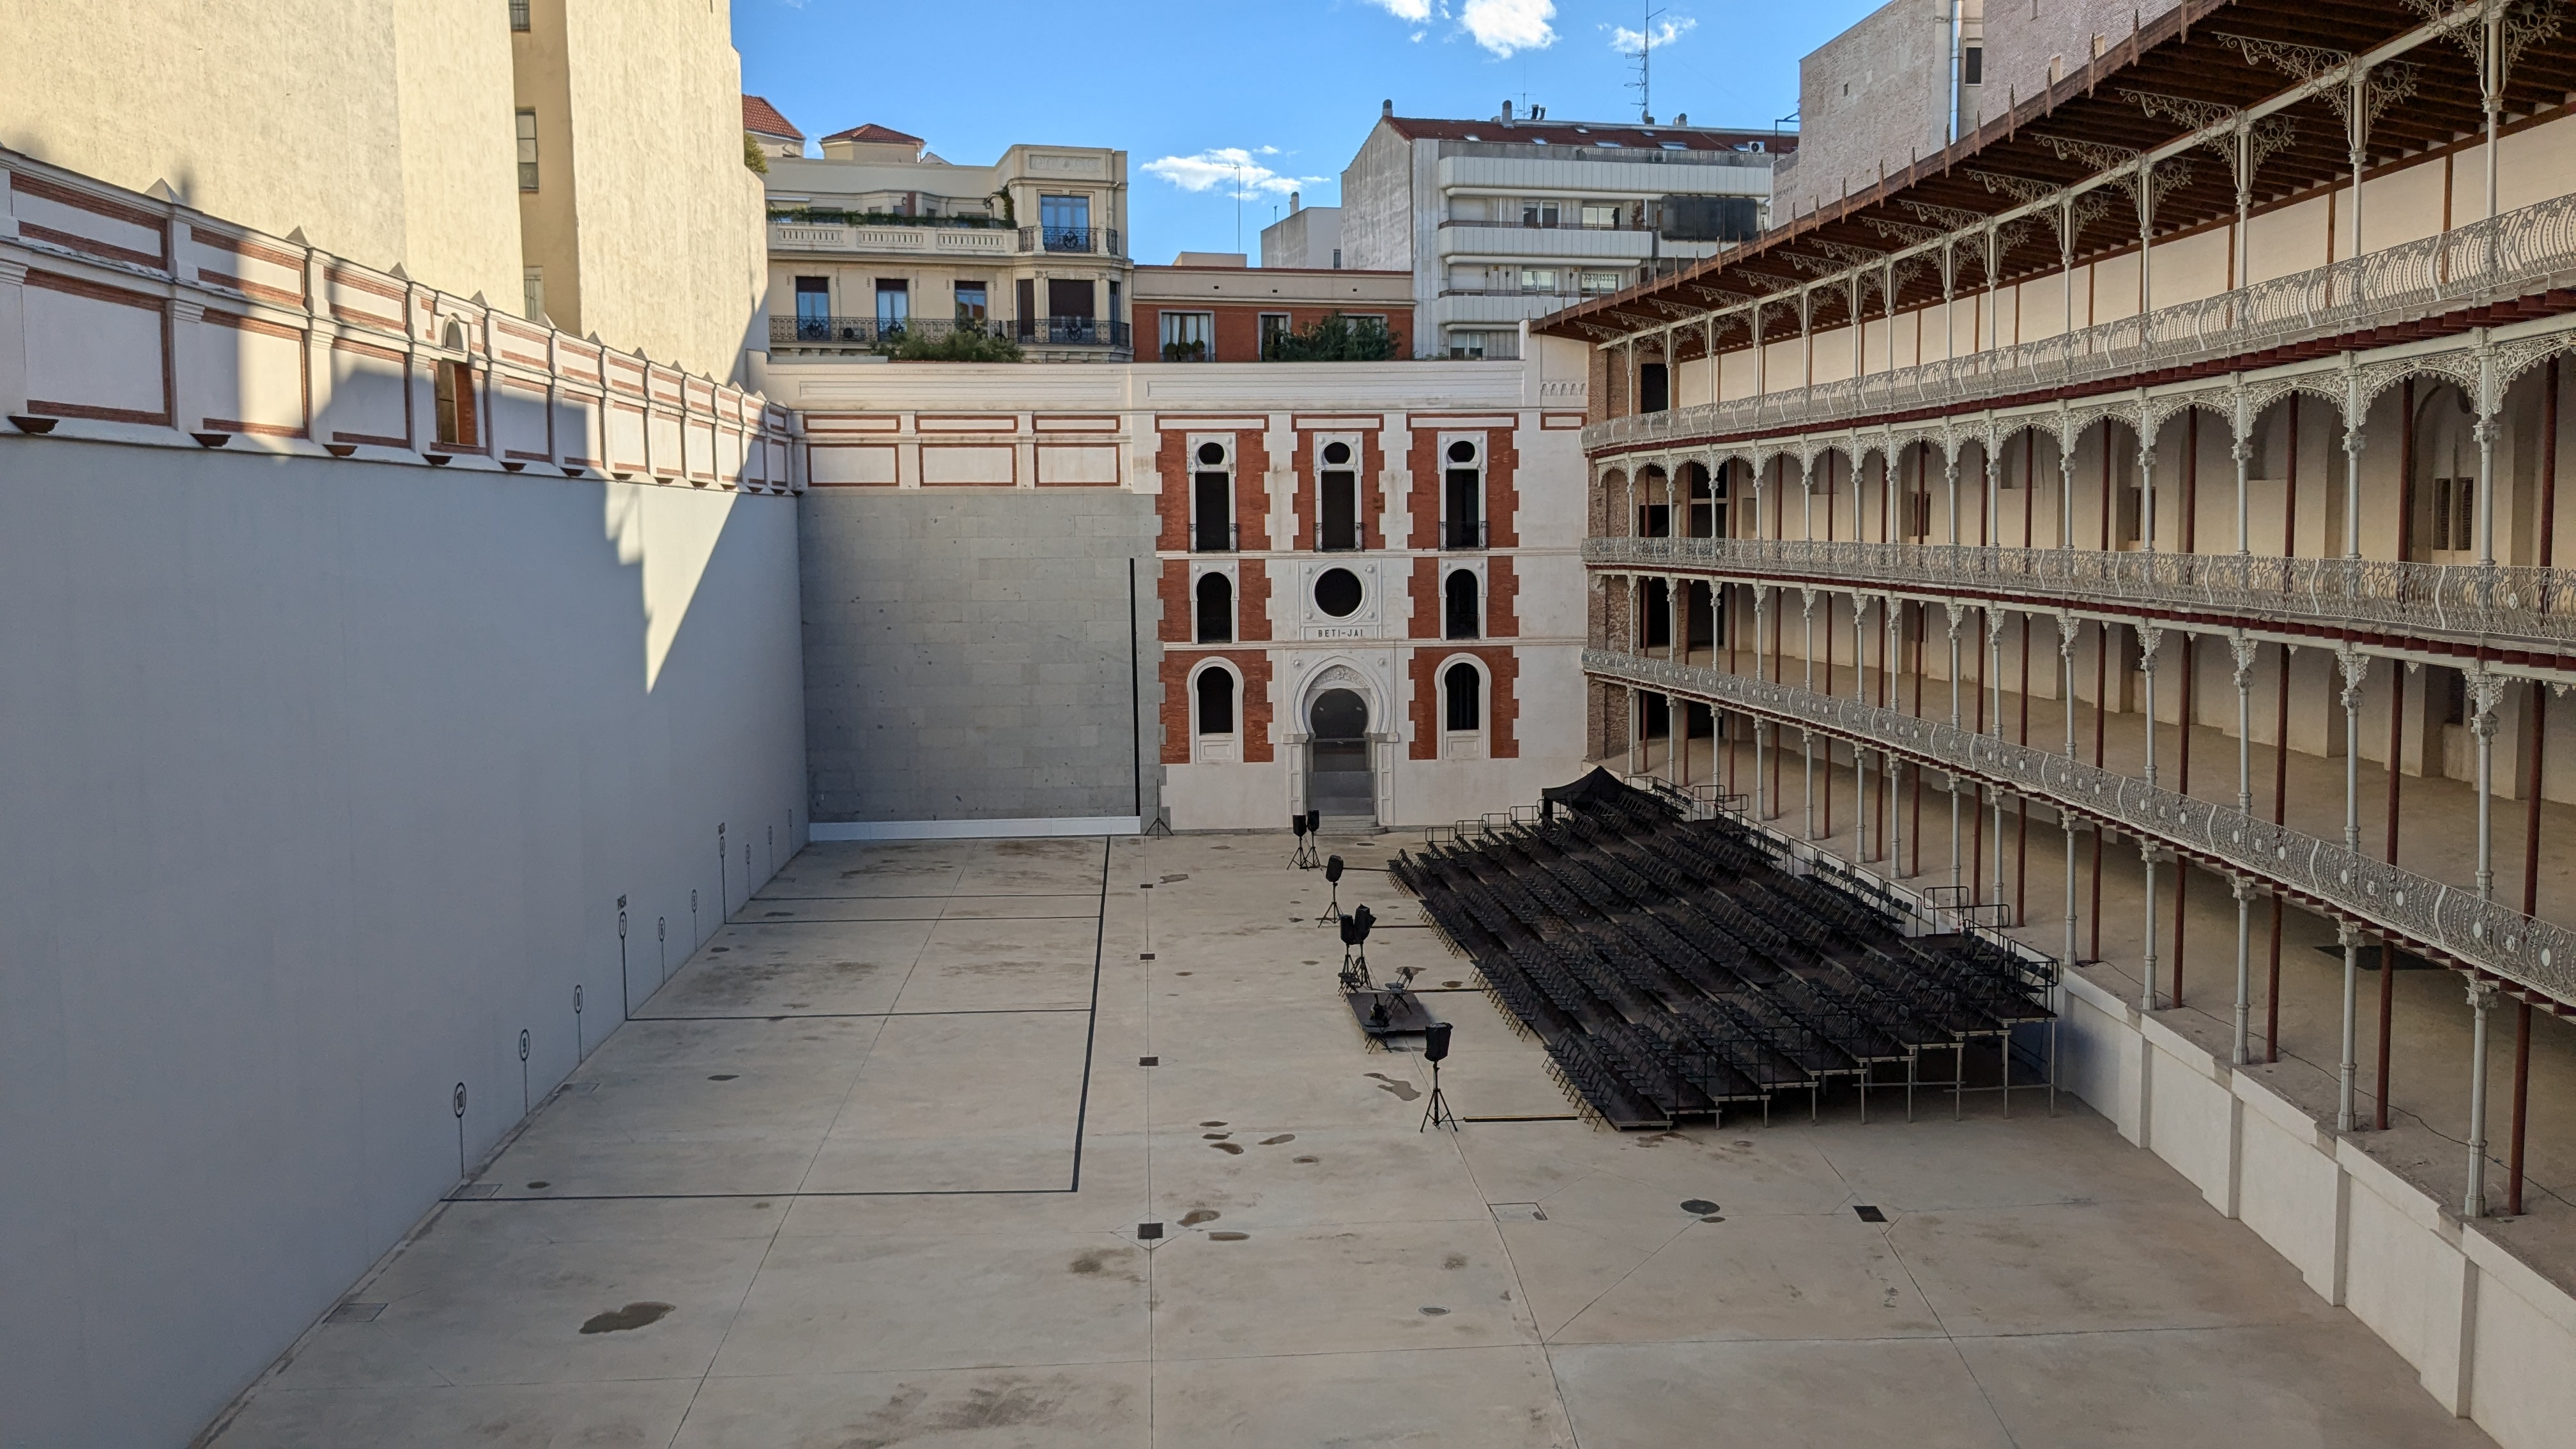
[{"x": 1286, "y": 90}]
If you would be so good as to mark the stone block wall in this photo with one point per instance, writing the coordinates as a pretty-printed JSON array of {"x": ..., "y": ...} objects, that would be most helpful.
[{"x": 974, "y": 654}]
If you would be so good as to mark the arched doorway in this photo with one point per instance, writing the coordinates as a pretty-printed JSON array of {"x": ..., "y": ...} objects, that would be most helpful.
[{"x": 1338, "y": 778}]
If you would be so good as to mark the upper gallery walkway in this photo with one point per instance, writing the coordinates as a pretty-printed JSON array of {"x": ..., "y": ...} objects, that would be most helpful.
[
  {"x": 2233, "y": 185},
  {"x": 2387, "y": 603}
]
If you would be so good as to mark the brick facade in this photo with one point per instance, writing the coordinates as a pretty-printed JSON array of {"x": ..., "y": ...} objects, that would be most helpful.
[
  {"x": 1252, "y": 707},
  {"x": 1252, "y": 601},
  {"x": 1424, "y": 590},
  {"x": 1502, "y": 495},
  {"x": 1502, "y": 706},
  {"x": 1173, "y": 466},
  {"x": 1373, "y": 497}
]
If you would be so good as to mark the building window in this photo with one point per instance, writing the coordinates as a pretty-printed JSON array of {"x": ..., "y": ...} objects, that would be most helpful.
[
  {"x": 1601, "y": 217},
  {"x": 1654, "y": 387},
  {"x": 1538, "y": 213},
  {"x": 972, "y": 304},
  {"x": 527, "y": 150},
  {"x": 1216, "y": 701},
  {"x": 1339, "y": 511},
  {"x": 1212, "y": 501},
  {"x": 1467, "y": 345},
  {"x": 1337, "y": 259},
  {"x": 813, "y": 308},
  {"x": 894, "y": 304},
  {"x": 1065, "y": 223},
  {"x": 1464, "y": 698},
  {"x": 1274, "y": 325},
  {"x": 518, "y": 14},
  {"x": 1462, "y": 498},
  {"x": 532, "y": 293},
  {"x": 1538, "y": 279},
  {"x": 1189, "y": 336},
  {"x": 1461, "y": 619},
  {"x": 1972, "y": 65},
  {"x": 1216, "y": 609},
  {"x": 455, "y": 393},
  {"x": 1599, "y": 282}
]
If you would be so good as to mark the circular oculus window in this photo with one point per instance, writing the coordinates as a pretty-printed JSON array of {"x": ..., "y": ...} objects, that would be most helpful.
[
  {"x": 1337, "y": 592},
  {"x": 1336, "y": 454},
  {"x": 1462, "y": 452},
  {"x": 1211, "y": 454}
]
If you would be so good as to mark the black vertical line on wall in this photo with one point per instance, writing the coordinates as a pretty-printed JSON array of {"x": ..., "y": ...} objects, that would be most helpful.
[{"x": 1135, "y": 701}]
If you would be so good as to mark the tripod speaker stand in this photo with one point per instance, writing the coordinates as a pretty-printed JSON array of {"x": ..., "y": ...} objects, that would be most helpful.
[
  {"x": 1332, "y": 877},
  {"x": 1435, "y": 1046},
  {"x": 1304, "y": 859}
]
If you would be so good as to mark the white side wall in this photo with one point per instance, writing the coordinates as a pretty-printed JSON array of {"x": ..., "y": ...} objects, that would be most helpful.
[
  {"x": 2491, "y": 1338},
  {"x": 321, "y": 781}
]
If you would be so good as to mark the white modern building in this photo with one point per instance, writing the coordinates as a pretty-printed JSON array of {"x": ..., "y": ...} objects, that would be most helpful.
[
  {"x": 1509, "y": 219},
  {"x": 1308, "y": 236}
]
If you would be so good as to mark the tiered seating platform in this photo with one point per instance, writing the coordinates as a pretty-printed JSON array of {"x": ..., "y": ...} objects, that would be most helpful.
[{"x": 1673, "y": 967}]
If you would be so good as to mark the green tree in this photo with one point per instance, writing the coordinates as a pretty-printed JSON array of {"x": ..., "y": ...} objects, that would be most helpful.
[
  {"x": 965, "y": 342},
  {"x": 1335, "y": 338},
  {"x": 753, "y": 156}
]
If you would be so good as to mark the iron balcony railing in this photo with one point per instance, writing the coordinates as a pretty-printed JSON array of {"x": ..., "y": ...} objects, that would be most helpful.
[
  {"x": 1100, "y": 240},
  {"x": 1210, "y": 537},
  {"x": 1073, "y": 331},
  {"x": 868, "y": 331},
  {"x": 2502, "y": 257},
  {"x": 1462, "y": 533},
  {"x": 2426, "y": 913},
  {"x": 2508, "y": 603}
]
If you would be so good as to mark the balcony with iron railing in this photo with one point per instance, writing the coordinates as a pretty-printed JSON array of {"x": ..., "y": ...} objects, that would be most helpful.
[
  {"x": 2434, "y": 916},
  {"x": 959, "y": 236},
  {"x": 1462, "y": 534},
  {"x": 2500, "y": 605},
  {"x": 1094, "y": 240},
  {"x": 865, "y": 332},
  {"x": 2516, "y": 254}
]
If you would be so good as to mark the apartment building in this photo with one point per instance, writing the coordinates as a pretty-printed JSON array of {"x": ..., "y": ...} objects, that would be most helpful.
[
  {"x": 880, "y": 240},
  {"x": 2213, "y": 394},
  {"x": 1901, "y": 83},
  {"x": 572, "y": 161},
  {"x": 1308, "y": 236},
  {"x": 1500, "y": 221},
  {"x": 1213, "y": 308}
]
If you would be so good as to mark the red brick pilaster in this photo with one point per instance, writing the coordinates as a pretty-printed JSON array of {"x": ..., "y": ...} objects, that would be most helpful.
[
  {"x": 1180, "y": 617},
  {"x": 1425, "y": 590},
  {"x": 1252, "y": 600},
  {"x": 1502, "y": 599},
  {"x": 1251, "y": 492},
  {"x": 1502, "y": 489}
]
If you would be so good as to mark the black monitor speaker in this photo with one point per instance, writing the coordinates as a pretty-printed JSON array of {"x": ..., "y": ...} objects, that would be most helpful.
[
  {"x": 1314, "y": 822},
  {"x": 1298, "y": 824},
  {"x": 1435, "y": 1041},
  {"x": 1333, "y": 869}
]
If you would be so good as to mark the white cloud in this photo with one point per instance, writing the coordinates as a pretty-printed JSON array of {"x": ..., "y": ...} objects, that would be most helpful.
[
  {"x": 1505, "y": 26},
  {"x": 1415, "y": 11},
  {"x": 1229, "y": 170},
  {"x": 1629, "y": 42}
]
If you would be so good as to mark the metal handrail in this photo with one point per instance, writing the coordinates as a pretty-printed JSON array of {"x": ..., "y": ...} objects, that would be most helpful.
[
  {"x": 2427, "y": 914},
  {"x": 865, "y": 331},
  {"x": 1102, "y": 240},
  {"x": 2491, "y": 601},
  {"x": 2500, "y": 257}
]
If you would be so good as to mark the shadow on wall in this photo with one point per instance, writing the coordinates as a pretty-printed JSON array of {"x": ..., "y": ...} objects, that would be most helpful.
[{"x": 327, "y": 781}]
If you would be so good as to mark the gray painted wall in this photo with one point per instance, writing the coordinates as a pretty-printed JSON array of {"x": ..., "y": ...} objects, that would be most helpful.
[
  {"x": 967, "y": 652},
  {"x": 320, "y": 782}
]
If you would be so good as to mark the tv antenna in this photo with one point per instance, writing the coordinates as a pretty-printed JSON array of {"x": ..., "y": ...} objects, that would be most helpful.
[{"x": 1644, "y": 55}]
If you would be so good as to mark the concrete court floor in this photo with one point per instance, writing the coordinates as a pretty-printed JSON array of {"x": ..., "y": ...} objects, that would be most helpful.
[{"x": 824, "y": 1191}]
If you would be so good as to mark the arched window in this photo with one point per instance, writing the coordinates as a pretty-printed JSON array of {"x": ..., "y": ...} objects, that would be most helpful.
[
  {"x": 1464, "y": 693},
  {"x": 1216, "y": 609},
  {"x": 1462, "y": 619},
  {"x": 1216, "y": 701}
]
